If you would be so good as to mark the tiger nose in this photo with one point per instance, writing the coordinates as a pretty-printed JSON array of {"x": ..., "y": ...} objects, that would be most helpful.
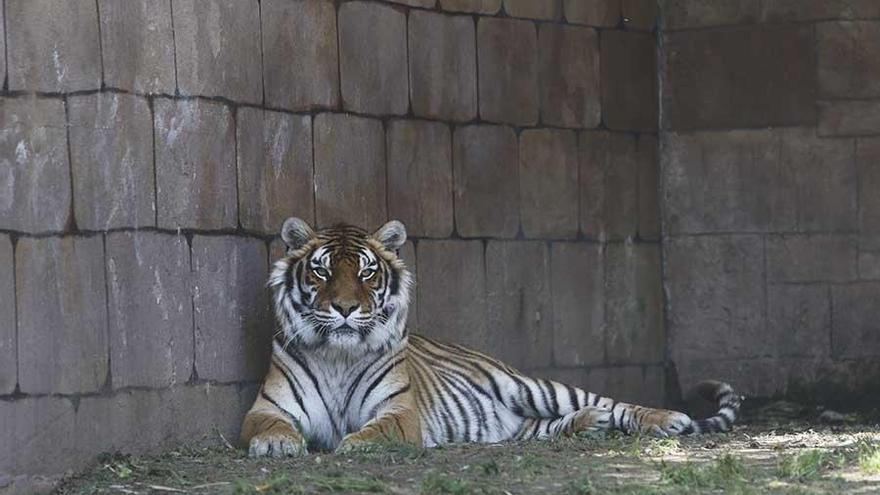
[{"x": 345, "y": 308}]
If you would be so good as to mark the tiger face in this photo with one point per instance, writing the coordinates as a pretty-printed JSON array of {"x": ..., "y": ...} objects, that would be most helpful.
[{"x": 341, "y": 289}]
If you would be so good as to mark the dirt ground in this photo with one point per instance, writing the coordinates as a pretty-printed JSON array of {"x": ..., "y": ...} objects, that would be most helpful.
[{"x": 782, "y": 455}]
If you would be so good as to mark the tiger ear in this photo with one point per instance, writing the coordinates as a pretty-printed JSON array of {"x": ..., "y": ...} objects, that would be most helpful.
[
  {"x": 296, "y": 233},
  {"x": 392, "y": 235}
]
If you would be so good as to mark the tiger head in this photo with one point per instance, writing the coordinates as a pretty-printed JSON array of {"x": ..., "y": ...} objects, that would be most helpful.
[{"x": 341, "y": 288}]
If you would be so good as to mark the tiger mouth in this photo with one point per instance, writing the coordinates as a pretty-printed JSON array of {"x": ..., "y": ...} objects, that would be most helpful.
[{"x": 345, "y": 329}]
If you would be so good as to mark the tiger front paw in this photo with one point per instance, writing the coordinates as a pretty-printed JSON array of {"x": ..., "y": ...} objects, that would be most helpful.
[
  {"x": 665, "y": 423},
  {"x": 277, "y": 444},
  {"x": 354, "y": 442}
]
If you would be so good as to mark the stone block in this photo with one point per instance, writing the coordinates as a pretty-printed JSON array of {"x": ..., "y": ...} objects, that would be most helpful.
[
  {"x": 195, "y": 164},
  {"x": 848, "y": 59},
  {"x": 639, "y": 14},
  {"x": 8, "y": 362},
  {"x": 849, "y": 118},
  {"x": 649, "y": 188},
  {"x": 275, "y": 170},
  {"x": 425, "y": 4},
  {"x": 642, "y": 385},
  {"x": 3, "y": 42},
  {"x": 518, "y": 302},
  {"x": 547, "y": 10},
  {"x": 218, "y": 49},
  {"x": 62, "y": 332},
  {"x": 799, "y": 320},
  {"x": 35, "y": 196},
  {"x": 868, "y": 165},
  {"x": 856, "y": 323},
  {"x": 743, "y": 77},
  {"x": 577, "y": 281},
  {"x": 442, "y": 66},
  {"x": 213, "y": 408},
  {"x": 43, "y": 430},
  {"x": 600, "y": 13},
  {"x": 679, "y": 14},
  {"x": 629, "y": 81},
  {"x": 349, "y": 154},
  {"x": 813, "y": 10},
  {"x": 111, "y": 154},
  {"x": 137, "y": 44},
  {"x": 131, "y": 422},
  {"x": 508, "y": 70},
  {"x": 548, "y": 175},
  {"x": 608, "y": 185},
  {"x": 234, "y": 326},
  {"x": 53, "y": 45},
  {"x": 635, "y": 332},
  {"x": 812, "y": 258},
  {"x": 372, "y": 54},
  {"x": 732, "y": 181},
  {"x": 452, "y": 295},
  {"x": 471, "y": 6},
  {"x": 577, "y": 377},
  {"x": 716, "y": 297},
  {"x": 300, "y": 56},
  {"x": 569, "y": 76},
  {"x": 408, "y": 255},
  {"x": 486, "y": 183},
  {"x": 869, "y": 265},
  {"x": 277, "y": 249},
  {"x": 420, "y": 177},
  {"x": 151, "y": 316},
  {"x": 824, "y": 173}
]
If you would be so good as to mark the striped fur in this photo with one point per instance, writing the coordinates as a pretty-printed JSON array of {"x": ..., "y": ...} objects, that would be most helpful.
[{"x": 344, "y": 371}]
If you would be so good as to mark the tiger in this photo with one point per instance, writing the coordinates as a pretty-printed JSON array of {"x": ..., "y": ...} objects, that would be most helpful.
[{"x": 345, "y": 373}]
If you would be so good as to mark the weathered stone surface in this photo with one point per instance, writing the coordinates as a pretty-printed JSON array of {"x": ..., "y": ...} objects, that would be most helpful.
[
  {"x": 372, "y": 53},
  {"x": 137, "y": 44},
  {"x": 849, "y": 118},
  {"x": 111, "y": 148},
  {"x": 518, "y": 302},
  {"x": 233, "y": 323},
  {"x": 408, "y": 255},
  {"x": 43, "y": 429},
  {"x": 639, "y": 14},
  {"x": 195, "y": 164},
  {"x": 730, "y": 181},
  {"x": 635, "y": 332},
  {"x": 856, "y": 324},
  {"x": 508, "y": 70},
  {"x": 151, "y": 329},
  {"x": 569, "y": 76},
  {"x": 129, "y": 422},
  {"x": 649, "y": 188},
  {"x": 849, "y": 59},
  {"x": 608, "y": 185},
  {"x": 548, "y": 175},
  {"x": 452, "y": 293},
  {"x": 824, "y": 173},
  {"x": 300, "y": 56},
  {"x": 812, "y": 258},
  {"x": 442, "y": 66},
  {"x": 275, "y": 176},
  {"x": 3, "y": 42},
  {"x": 678, "y": 14},
  {"x": 474, "y": 6},
  {"x": 629, "y": 86},
  {"x": 534, "y": 9},
  {"x": 811, "y": 10},
  {"x": 799, "y": 320},
  {"x": 8, "y": 363},
  {"x": 868, "y": 163},
  {"x": 486, "y": 183},
  {"x": 277, "y": 249},
  {"x": 420, "y": 177},
  {"x": 577, "y": 279},
  {"x": 716, "y": 300},
  {"x": 700, "y": 92},
  {"x": 643, "y": 385},
  {"x": 62, "y": 332},
  {"x": 53, "y": 45},
  {"x": 213, "y": 408},
  {"x": 427, "y": 4},
  {"x": 35, "y": 196},
  {"x": 218, "y": 49},
  {"x": 577, "y": 377},
  {"x": 349, "y": 154},
  {"x": 602, "y": 13}
]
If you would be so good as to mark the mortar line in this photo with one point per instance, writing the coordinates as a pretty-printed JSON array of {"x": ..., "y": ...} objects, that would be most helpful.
[{"x": 100, "y": 41}]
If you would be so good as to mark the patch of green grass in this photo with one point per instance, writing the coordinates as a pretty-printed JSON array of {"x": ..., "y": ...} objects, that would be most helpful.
[
  {"x": 435, "y": 484},
  {"x": 661, "y": 447},
  {"x": 868, "y": 456},
  {"x": 348, "y": 484},
  {"x": 581, "y": 486},
  {"x": 726, "y": 472},
  {"x": 809, "y": 465},
  {"x": 490, "y": 468}
]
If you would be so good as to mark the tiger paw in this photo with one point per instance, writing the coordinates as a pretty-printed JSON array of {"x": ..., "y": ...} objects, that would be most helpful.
[
  {"x": 276, "y": 444},
  {"x": 354, "y": 443},
  {"x": 665, "y": 423},
  {"x": 590, "y": 419}
]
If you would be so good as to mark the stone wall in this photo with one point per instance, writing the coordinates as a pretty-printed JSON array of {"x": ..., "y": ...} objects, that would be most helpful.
[
  {"x": 150, "y": 149},
  {"x": 770, "y": 166}
]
